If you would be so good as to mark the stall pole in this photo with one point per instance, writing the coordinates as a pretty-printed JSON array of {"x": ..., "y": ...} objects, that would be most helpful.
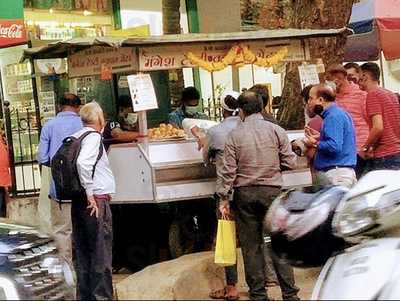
[
  {"x": 114, "y": 90},
  {"x": 213, "y": 96},
  {"x": 142, "y": 116},
  {"x": 382, "y": 69},
  {"x": 235, "y": 79},
  {"x": 252, "y": 74},
  {"x": 36, "y": 98}
]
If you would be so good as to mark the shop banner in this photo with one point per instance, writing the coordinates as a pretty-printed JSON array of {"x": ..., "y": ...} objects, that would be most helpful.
[
  {"x": 175, "y": 57},
  {"x": 92, "y": 61},
  {"x": 12, "y": 32}
]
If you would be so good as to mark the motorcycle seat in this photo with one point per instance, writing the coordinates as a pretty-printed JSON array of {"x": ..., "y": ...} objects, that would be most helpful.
[{"x": 299, "y": 201}]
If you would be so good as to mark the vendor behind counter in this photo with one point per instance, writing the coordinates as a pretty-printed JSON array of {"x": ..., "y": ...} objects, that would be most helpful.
[
  {"x": 125, "y": 127},
  {"x": 188, "y": 108}
]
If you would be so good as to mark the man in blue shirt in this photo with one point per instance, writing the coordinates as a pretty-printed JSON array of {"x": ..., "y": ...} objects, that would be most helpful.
[
  {"x": 188, "y": 108},
  {"x": 56, "y": 219},
  {"x": 336, "y": 148}
]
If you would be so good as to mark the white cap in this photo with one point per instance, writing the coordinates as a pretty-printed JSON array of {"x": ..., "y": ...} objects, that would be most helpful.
[{"x": 233, "y": 94}]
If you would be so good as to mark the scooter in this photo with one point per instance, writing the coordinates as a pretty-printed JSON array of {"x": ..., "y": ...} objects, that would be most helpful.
[{"x": 354, "y": 237}]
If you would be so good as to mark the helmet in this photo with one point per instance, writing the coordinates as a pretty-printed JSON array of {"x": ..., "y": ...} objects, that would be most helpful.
[{"x": 300, "y": 226}]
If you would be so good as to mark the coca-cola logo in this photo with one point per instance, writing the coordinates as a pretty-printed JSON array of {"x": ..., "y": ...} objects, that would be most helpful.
[{"x": 13, "y": 31}]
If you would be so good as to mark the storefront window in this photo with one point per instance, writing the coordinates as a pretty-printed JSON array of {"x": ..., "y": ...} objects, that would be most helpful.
[
  {"x": 66, "y": 19},
  {"x": 23, "y": 126},
  {"x": 95, "y": 5}
]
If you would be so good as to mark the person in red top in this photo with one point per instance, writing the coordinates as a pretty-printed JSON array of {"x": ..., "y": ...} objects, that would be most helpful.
[
  {"x": 353, "y": 100},
  {"x": 5, "y": 177},
  {"x": 383, "y": 112}
]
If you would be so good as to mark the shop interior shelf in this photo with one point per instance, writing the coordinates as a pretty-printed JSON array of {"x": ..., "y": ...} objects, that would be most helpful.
[
  {"x": 18, "y": 75},
  {"x": 20, "y": 93}
]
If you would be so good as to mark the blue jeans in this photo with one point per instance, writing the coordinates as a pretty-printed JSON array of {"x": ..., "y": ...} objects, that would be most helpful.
[{"x": 389, "y": 162}]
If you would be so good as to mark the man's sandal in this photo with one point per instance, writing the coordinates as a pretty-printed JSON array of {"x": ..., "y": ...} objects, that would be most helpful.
[
  {"x": 218, "y": 294},
  {"x": 223, "y": 294}
]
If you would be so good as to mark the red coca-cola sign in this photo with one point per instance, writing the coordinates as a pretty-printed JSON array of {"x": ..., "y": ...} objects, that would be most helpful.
[{"x": 12, "y": 32}]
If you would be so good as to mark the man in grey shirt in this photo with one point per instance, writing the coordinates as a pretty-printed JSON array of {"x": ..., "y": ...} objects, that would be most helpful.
[{"x": 254, "y": 155}]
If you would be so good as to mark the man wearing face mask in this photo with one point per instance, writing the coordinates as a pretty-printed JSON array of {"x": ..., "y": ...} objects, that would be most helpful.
[
  {"x": 188, "y": 108},
  {"x": 124, "y": 128},
  {"x": 336, "y": 155}
]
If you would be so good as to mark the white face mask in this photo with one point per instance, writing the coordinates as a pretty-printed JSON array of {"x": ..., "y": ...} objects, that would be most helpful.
[
  {"x": 191, "y": 110},
  {"x": 131, "y": 118}
]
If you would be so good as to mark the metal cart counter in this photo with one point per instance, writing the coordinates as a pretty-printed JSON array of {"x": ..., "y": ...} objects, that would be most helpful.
[{"x": 156, "y": 172}]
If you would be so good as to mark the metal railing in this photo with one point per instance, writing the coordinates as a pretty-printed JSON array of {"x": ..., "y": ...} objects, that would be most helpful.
[
  {"x": 212, "y": 108},
  {"x": 23, "y": 138}
]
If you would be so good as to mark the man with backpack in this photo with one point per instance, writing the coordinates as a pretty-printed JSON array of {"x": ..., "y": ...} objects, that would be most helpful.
[
  {"x": 81, "y": 172},
  {"x": 56, "y": 219}
]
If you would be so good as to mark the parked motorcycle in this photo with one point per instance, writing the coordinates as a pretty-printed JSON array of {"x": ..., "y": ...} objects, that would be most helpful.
[{"x": 351, "y": 233}]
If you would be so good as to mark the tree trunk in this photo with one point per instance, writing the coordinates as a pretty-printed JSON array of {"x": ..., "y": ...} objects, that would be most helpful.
[
  {"x": 171, "y": 16},
  {"x": 171, "y": 25},
  {"x": 317, "y": 14}
]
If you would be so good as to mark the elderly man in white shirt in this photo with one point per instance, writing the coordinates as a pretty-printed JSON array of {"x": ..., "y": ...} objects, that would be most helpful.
[{"x": 91, "y": 214}]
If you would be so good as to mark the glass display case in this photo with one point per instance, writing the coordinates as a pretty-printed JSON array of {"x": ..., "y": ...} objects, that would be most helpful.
[{"x": 160, "y": 172}]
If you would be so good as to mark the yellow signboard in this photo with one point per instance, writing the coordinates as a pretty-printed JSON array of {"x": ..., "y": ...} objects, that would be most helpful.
[{"x": 174, "y": 57}]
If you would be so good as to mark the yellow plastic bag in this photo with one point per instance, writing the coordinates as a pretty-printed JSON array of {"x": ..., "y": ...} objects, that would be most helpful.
[{"x": 225, "y": 249}]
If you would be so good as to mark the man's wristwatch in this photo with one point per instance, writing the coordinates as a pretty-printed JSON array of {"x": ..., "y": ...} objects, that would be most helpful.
[{"x": 366, "y": 148}]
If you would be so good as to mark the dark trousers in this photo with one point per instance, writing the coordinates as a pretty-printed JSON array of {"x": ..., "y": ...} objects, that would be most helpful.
[
  {"x": 389, "y": 162},
  {"x": 92, "y": 240},
  {"x": 361, "y": 167},
  {"x": 3, "y": 201},
  {"x": 231, "y": 275},
  {"x": 250, "y": 205}
]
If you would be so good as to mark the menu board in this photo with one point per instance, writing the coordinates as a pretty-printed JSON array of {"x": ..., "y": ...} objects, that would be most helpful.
[
  {"x": 142, "y": 92},
  {"x": 308, "y": 75}
]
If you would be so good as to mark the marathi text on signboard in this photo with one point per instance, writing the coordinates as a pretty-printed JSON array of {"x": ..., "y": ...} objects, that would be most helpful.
[
  {"x": 91, "y": 61},
  {"x": 173, "y": 57}
]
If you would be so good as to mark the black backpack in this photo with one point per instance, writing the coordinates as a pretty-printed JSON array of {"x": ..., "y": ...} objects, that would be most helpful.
[{"x": 64, "y": 171}]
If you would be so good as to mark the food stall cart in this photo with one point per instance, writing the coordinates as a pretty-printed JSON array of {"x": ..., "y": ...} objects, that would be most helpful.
[{"x": 151, "y": 173}]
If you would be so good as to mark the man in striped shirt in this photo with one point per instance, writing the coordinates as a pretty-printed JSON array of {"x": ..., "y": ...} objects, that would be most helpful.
[
  {"x": 353, "y": 100},
  {"x": 383, "y": 112}
]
